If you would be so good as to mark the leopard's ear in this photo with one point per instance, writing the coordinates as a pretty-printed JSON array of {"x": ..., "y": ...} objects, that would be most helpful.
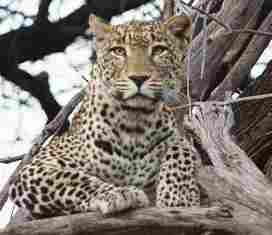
[
  {"x": 180, "y": 26},
  {"x": 99, "y": 27}
]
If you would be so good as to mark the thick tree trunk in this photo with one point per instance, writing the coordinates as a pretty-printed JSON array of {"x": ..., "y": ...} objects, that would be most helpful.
[
  {"x": 229, "y": 60},
  {"x": 255, "y": 130},
  {"x": 233, "y": 179},
  {"x": 237, "y": 15}
]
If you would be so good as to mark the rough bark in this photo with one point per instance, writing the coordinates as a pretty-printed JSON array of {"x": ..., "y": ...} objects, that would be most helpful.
[
  {"x": 255, "y": 129},
  {"x": 244, "y": 63},
  {"x": 233, "y": 179},
  {"x": 211, "y": 124},
  {"x": 229, "y": 60},
  {"x": 237, "y": 15},
  {"x": 202, "y": 4},
  {"x": 173, "y": 221}
]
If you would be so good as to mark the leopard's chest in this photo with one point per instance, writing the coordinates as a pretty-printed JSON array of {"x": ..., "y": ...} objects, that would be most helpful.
[
  {"x": 125, "y": 163},
  {"x": 125, "y": 153},
  {"x": 124, "y": 147}
]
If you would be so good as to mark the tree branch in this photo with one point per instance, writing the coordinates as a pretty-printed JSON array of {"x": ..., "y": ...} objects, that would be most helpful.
[
  {"x": 255, "y": 121},
  {"x": 192, "y": 221},
  {"x": 38, "y": 87},
  {"x": 234, "y": 179},
  {"x": 7, "y": 160},
  {"x": 42, "y": 16},
  {"x": 168, "y": 10},
  {"x": 221, "y": 103},
  {"x": 246, "y": 61},
  {"x": 217, "y": 49},
  {"x": 210, "y": 16}
]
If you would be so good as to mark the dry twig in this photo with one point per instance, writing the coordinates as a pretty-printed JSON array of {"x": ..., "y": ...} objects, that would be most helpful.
[
  {"x": 225, "y": 26},
  {"x": 222, "y": 103},
  {"x": 203, "y": 12},
  {"x": 191, "y": 2},
  {"x": 7, "y": 160}
]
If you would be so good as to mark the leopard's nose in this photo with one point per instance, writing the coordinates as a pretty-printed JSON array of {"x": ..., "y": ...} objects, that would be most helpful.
[{"x": 138, "y": 80}]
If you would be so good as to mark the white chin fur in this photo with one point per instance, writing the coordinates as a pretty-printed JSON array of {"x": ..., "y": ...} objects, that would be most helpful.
[{"x": 140, "y": 102}]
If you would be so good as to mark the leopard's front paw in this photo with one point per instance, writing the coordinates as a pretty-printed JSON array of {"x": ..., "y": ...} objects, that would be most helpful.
[{"x": 119, "y": 199}]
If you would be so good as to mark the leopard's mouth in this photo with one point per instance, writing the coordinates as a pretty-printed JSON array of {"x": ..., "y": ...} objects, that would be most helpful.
[
  {"x": 143, "y": 94},
  {"x": 140, "y": 95},
  {"x": 140, "y": 102}
]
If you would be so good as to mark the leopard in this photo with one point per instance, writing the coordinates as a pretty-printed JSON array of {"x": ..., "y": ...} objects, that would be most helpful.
[{"x": 122, "y": 150}]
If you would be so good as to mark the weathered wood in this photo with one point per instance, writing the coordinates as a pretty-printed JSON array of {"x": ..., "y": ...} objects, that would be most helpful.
[
  {"x": 193, "y": 221},
  {"x": 268, "y": 164},
  {"x": 254, "y": 131},
  {"x": 229, "y": 60},
  {"x": 226, "y": 189},
  {"x": 246, "y": 61},
  {"x": 168, "y": 10},
  {"x": 236, "y": 14},
  {"x": 234, "y": 179}
]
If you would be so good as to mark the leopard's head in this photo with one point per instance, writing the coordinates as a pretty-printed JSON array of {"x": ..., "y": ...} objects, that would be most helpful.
[{"x": 136, "y": 60}]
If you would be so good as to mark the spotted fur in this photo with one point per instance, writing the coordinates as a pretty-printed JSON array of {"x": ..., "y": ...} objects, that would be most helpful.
[{"x": 121, "y": 151}]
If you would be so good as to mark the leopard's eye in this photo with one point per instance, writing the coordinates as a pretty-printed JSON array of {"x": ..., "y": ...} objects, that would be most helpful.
[
  {"x": 159, "y": 50},
  {"x": 118, "y": 51}
]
